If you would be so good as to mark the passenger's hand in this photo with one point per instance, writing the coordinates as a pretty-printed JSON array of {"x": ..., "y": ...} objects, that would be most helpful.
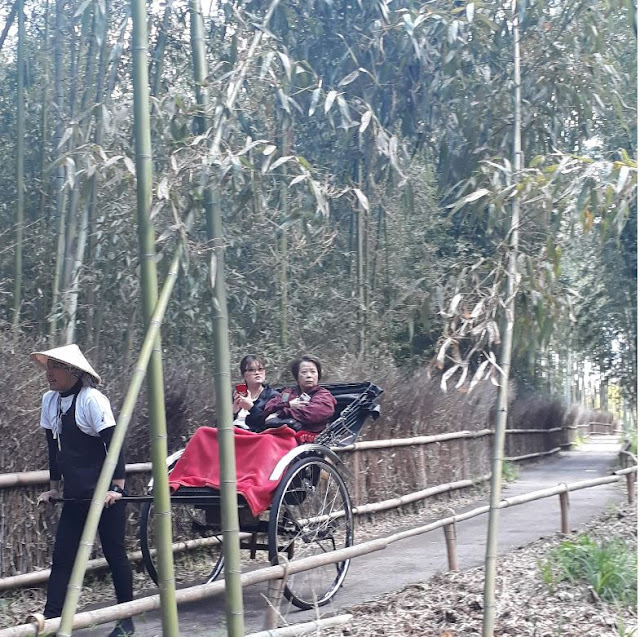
[
  {"x": 245, "y": 402},
  {"x": 47, "y": 496},
  {"x": 111, "y": 498}
]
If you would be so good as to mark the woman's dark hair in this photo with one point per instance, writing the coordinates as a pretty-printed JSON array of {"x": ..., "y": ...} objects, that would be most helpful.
[
  {"x": 307, "y": 358},
  {"x": 247, "y": 360}
]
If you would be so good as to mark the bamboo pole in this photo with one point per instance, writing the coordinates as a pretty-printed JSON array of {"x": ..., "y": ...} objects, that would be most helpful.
[
  {"x": 149, "y": 281},
  {"x": 83, "y": 620},
  {"x": 222, "y": 374},
  {"x": 197, "y": 593},
  {"x": 97, "y": 503},
  {"x": 491, "y": 555},
  {"x": 416, "y": 440},
  {"x": 394, "y": 503},
  {"x": 537, "y": 454},
  {"x": 307, "y": 628},
  {"x": 58, "y": 104},
  {"x": 17, "y": 283}
]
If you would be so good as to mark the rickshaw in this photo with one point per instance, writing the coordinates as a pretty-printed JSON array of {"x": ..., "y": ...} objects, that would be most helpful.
[{"x": 310, "y": 513}]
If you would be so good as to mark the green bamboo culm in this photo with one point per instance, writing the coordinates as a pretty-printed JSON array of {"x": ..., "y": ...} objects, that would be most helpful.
[
  {"x": 149, "y": 288},
  {"x": 491, "y": 555},
  {"x": 17, "y": 289},
  {"x": 106, "y": 475},
  {"x": 222, "y": 367}
]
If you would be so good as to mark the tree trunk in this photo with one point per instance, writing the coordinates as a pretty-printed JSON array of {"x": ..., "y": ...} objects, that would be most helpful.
[{"x": 502, "y": 406}]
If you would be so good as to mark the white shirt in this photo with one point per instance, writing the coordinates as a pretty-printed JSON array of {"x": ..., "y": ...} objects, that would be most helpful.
[{"x": 93, "y": 411}]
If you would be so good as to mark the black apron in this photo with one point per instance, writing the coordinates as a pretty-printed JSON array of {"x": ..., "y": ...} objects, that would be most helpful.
[{"x": 80, "y": 457}]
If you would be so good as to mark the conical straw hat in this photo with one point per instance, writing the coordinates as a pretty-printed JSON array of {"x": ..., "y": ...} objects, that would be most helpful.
[{"x": 68, "y": 354}]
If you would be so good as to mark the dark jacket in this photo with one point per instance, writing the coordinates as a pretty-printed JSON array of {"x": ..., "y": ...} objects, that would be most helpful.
[
  {"x": 313, "y": 417},
  {"x": 255, "y": 413}
]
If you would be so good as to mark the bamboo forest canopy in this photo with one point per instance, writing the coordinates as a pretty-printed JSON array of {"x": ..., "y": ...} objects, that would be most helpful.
[{"x": 362, "y": 155}]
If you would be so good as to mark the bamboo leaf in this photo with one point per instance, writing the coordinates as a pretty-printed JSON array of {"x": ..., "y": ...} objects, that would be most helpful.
[
  {"x": 478, "y": 374},
  {"x": 297, "y": 180},
  {"x": 269, "y": 149},
  {"x": 463, "y": 376},
  {"x": 163, "y": 188},
  {"x": 446, "y": 376},
  {"x": 455, "y": 301},
  {"x": 471, "y": 9},
  {"x": 362, "y": 198},
  {"x": 364, "y": 121},
  {"x": 315, "y": 98},
  {"x": 130, "y": 165},
  {"x": 442, "y": 352},
  {"x": 622, "y": 178},
  {"x": 329, "y": 100},
  {"x": 349, "y": 78},
  {"x": 279, "y": 162},
  {"x": 286, "y": 63}
]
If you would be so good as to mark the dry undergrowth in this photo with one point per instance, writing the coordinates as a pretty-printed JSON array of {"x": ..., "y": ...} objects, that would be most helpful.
[{"x": 450, "y": 604}]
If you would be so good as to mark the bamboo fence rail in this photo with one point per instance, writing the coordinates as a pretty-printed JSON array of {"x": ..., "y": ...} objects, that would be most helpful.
[
  {"x": 308, "y": 628},
  {"x": 31, "y": 478},
  {"x": 195, "y": 593}
]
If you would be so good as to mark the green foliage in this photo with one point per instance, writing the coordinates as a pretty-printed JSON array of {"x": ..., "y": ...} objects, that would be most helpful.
[
  {"x": 609, "y": 569},
  {"x": 510, "y": 471}
]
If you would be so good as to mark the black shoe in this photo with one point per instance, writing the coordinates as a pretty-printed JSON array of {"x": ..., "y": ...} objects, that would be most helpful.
[{"x": 124, "y": 628}]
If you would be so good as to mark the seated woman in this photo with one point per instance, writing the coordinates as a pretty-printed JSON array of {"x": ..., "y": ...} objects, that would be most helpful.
[
  {"x": 247, "y": 408},
  {"x": 307, "y": 408}
]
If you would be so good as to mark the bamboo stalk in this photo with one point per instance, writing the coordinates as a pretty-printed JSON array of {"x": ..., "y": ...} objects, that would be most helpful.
[
  {"x": 17, "y": 287},
  {"x": 149, "y": 289},
  {"x": 502, "y": 407}
]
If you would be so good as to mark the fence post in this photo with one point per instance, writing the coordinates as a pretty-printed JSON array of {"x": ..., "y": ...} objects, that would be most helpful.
[
  {"x": 450, "y": 538},
  {"x": 275, "y": 589},
  {"x": 564, "y": 513},
  {"x": 631, "y": 488}
]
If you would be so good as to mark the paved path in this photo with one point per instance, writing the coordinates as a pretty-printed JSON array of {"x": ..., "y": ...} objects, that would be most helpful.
[{"x": 417, "y": 559}]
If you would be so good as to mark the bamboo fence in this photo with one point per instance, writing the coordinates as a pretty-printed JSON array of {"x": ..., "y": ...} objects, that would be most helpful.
[
  {"x": 392, "y": 471},
  {"x": 108, "y": 614}
]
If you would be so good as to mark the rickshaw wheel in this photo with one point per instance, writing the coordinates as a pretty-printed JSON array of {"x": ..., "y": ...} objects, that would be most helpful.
[
  {"x": 188, "y": 523},
  {"x": 311, "y": 515}
]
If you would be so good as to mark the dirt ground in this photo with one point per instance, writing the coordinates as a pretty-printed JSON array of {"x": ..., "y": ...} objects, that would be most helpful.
[{"x": 450, "y": 604}]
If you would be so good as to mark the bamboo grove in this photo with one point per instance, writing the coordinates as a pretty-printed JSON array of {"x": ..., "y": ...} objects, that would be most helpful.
[
  {"x": 416, "y": 182},
  {"x": 362, "y": 171}
]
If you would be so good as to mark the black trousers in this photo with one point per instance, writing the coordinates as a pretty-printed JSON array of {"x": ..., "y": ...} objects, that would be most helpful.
[{"x": 111, "y": 530}]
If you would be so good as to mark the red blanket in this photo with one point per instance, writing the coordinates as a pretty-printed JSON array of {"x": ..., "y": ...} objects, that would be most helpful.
[{"x": 256, "y": 456}]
